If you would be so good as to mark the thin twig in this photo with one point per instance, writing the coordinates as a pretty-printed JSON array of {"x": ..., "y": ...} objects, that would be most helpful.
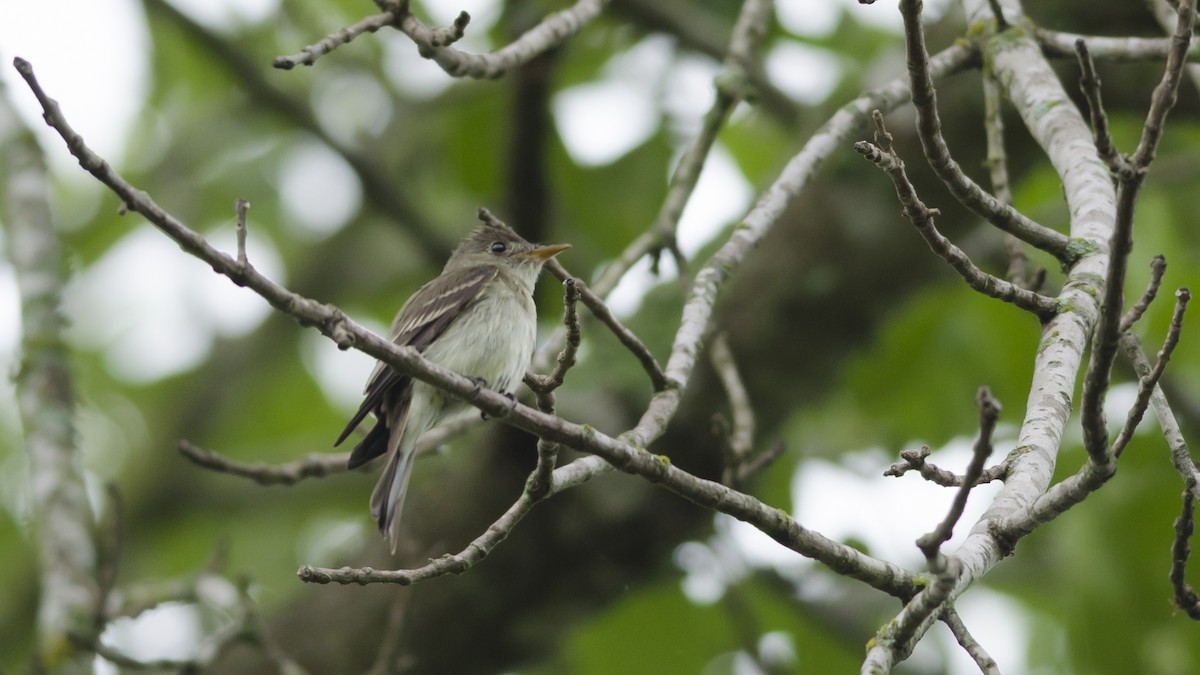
[
  {"x": 901, "y": 634},
  {"x": 987, "y": 665},
  {"x": 997, "y": 162},
  {"x": 1149, "y": 382},
  {"x": 313, "y": 466},
  {"x": 989, "y": 414},
  {"x": 740, "y": 439},
  {"x": 922, "y": 217},
  {"x": 310, "y": 54},
  {"x": 241, "y": 206},
  {"x": 1181, "y": 456},
  {"x": 1107, "y": 331},
  {"x": 1165, "y": 13},
  {"x": 1167, "y": 90},
  {"x": 929, "y": 128},
  {"x": 569, "y": 475},
  {"x": 1089, "y": 84},
  {"x": 1061, "y": 45},
  {"x": 550, "y": 32},
  {"x": 915, "y": 458},
  {"x": 539, "y": 482},
  {"x": 1186, "y": 598},
  {"x": 1158, "y": 266},
  {"x": 600, "y": 310}
]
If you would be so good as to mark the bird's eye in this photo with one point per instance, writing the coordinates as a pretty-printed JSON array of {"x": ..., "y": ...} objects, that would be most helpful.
[{"x": 498, "y": 247}]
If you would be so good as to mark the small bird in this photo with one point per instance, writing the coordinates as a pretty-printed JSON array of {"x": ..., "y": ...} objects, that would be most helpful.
[{"x": 476, "y": 318}]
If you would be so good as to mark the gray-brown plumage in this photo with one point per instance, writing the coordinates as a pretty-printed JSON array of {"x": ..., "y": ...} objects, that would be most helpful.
[{"x": 477, "y": 318}]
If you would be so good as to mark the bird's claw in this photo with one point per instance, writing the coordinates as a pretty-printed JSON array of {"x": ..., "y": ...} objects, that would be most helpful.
[{"x": 512, "y": 398}]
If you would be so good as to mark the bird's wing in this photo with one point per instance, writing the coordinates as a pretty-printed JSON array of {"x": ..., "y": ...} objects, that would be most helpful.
[{"x": 421, "y": 320}]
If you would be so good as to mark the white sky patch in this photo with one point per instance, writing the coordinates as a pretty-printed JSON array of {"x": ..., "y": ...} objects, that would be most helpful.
[
  {"x": 230, "y": 309},
  {"x": 626, "y": 298},
  {"x": 722, "y": 195},
  {"x": 807, "y": 74},
  {"x": 340, "y": 375},
  {"x": 318, "y": 191},
  {"x": 169, "y": 631},
  {"x": 810, "y": 18},
  {"x": 100, "y": 96},
  {"x": 852, "y": 499},
  {"x": 331, "y": 538},
  {"x": 227, "y": 13},
  {"x": 1000, "y": 623},
  {"x": 688, "y": 92},
  {"x": 154, "y": 310},
  {"x": 351, "y": 106},
  {"x": 413, "y": 75},
  {"x": 602, "y": 120}
]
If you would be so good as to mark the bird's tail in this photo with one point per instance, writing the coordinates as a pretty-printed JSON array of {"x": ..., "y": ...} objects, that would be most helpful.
[{"x": 387, "y": 501}]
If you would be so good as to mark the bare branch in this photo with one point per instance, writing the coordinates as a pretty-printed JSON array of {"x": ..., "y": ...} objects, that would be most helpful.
[
  {"x": 987, "y": 665},
  {"x": 997, "y": 162},
  {"x": 1158, "y": 266},
  {"x": 1167, "y": 90},
  {"x": 600, "y": 310},
  {"x": 1089, "y": 84},
  {"x": 1107, "y": 331},
  {"x": 555, "y": 28},
  {"x": 570, "y": 475},
  {"x": 1105, "y": 48},
  {"x": 1185, "y": 597},
  {"x": 1166, "y": 15},
  {"x": 914, "y": 458},
  {"x": 242, "y": 207},
  {"x": 1181, "y": 456},
  {"x": 316, "y": 465},
  {"x": 740, "y": 439},
  {"x": 929, "y": 128},
  {"x": 539, "y": 482},
  {"x": 310, "y": 54},
  {"x": 989, "y": 414},
  {"x": 921, "y": 216},
  {"x": 1149, "y": 382}
]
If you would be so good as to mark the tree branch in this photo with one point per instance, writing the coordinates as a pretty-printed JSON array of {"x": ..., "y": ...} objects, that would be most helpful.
[
  {"x": 546, "y": 35},
  {"x": 921, "y": 216},
  {"x": 1149, "y": 382},
  {"x": 1185, "y": 597},
  {"x": 929, "y": 128},
  {"x": 62, "y": 519},
  {"x": 310, "y": 54}
]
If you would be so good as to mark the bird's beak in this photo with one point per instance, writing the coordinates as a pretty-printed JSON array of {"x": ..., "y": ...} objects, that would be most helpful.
[{"x": 547, "y": 252}]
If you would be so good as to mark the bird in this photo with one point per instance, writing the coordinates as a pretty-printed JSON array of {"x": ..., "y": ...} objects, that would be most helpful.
[{"x": 477, "y": 318}]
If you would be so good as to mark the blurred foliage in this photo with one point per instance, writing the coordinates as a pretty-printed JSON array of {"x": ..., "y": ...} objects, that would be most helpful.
[{"x": 850, "y": 336}]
